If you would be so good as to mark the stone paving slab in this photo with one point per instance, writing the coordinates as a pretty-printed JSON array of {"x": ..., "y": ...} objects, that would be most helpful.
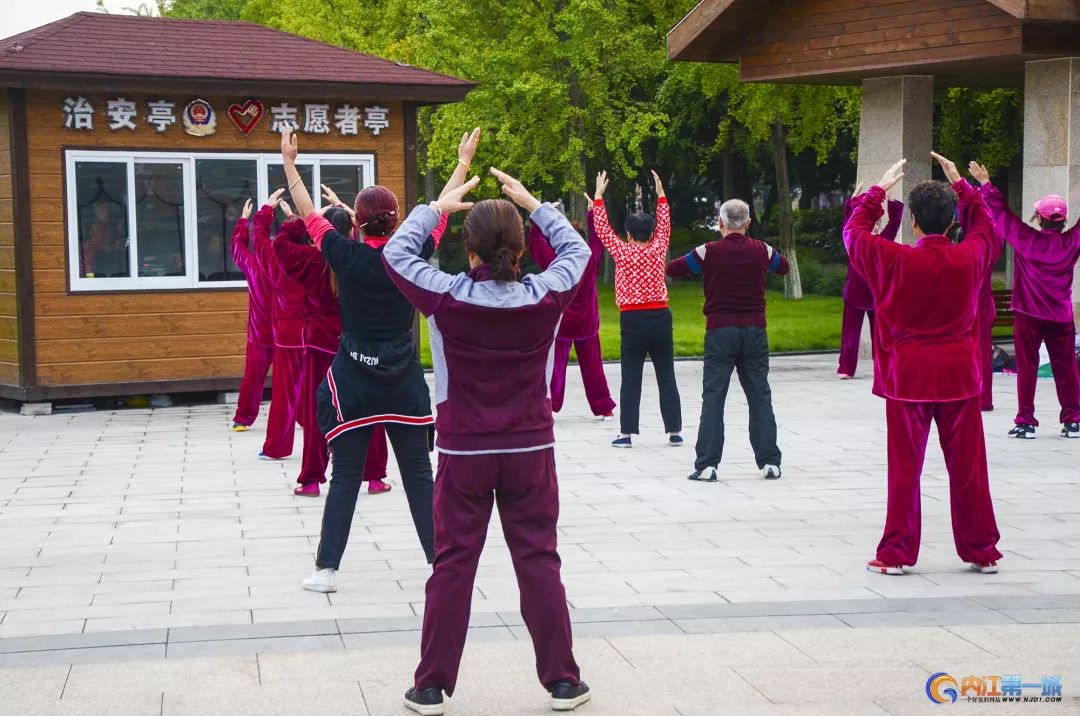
[
  {"x": 164, "y": 519},
  {"x": 779, "y": 673}
]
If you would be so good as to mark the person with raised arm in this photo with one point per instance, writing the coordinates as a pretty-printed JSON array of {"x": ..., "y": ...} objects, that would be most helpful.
[
  {"x": 378, "y": 455},
  {"x": 492, "y": 333},
  {"x": 304, "y": 264},
  {"x": 926, "y": 364},
  {"x": 734, "y": 270},
  {"x": 580, "y": 326},
  {"x": 259, "y": 355},
  {"x": 1041, "y": 302},
  {"x": 287, "y": 312},
  {"x": 858, "y": 301},
  {"x": 644, "y": 316},
  {"x": 375, "y": 377}
]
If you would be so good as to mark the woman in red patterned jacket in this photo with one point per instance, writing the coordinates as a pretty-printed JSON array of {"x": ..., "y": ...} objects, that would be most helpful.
[{"x": 644, "y": 317}]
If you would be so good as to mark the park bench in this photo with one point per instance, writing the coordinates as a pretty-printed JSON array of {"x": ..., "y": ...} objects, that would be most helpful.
[{"x": 1003, "y": 308}]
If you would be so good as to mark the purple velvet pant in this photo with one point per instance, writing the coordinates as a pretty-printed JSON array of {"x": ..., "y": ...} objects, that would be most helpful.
[
  {"x": 592, "y": 374},
  {"x": 850, "y": 332},
  {"x": 1060, "y": 341},
  {"x": 257, "y": 362}
]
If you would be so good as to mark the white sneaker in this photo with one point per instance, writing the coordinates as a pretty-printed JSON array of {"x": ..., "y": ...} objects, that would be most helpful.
[
  {"x": 606, "y": 418},
  {"x": 322, "y": 580},
  {"x": 770, "y": 472}
]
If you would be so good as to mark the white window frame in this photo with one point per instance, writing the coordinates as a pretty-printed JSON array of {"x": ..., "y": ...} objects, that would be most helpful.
[{"x": 190, "y": 281}]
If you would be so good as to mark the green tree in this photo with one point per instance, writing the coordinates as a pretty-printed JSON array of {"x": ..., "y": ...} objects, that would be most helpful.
[
  {"x": 986, "y": 125},
  {"x": 792, "y": 118}
]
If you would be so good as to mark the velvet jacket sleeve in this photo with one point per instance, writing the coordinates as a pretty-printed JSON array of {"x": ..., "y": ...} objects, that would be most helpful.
[
  {"x": 895, "y": 210},
  {"x": 539, "y": 248},
  {"x": 241, "y": 249},
  {"x": 1007, "y": 225},
  {"x": 976, "y": 222},
  {"x": 872, "y": 256},
  {"x": 264, "y": 217},
  {"x": 437, "y": 234}
]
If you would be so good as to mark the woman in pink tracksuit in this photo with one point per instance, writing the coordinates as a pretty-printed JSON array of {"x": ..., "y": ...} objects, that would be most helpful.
[
  {"x": 579, "y": 328},
  {"x": 858, "y": 300},
  {"x": 288, "y": 319},
  {"x": 1042, "y": 303},
  {"x": 260, "y": 334},
  {"x": 304, "y": 264}
]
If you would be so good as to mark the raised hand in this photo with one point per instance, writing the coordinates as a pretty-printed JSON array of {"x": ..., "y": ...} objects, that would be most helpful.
[
  {"x": 285, "y": 208},
  {"x": 657, "y": 183},
  {"x": 601, "y": 184},
  {"x": 246, "y": 212},
  {"x": 979, "y": 172},
  {"x": 274, "y": 198},
  {"x": 452, "y": 200},
  {"x": 892, "y": 175},
  {"x": 329, "y": 195},
  {"x": 288, "y": 145},
  {"x": 516, "y": 191},
  {"x": 948, "y": 167},
  {"x": 467, "y": 147}
]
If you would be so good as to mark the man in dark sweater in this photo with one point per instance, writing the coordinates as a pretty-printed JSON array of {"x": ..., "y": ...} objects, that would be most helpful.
[{"x": 734, "y": 271}]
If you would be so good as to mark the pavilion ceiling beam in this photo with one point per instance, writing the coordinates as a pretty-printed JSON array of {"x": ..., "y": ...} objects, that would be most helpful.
[{"x": 692, "y": 27}]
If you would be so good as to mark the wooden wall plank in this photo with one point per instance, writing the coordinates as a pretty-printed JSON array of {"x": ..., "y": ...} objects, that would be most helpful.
[
  {"x": 9, "y": 328},
  {"x": 92, "y": 350},
  {"x": 124, "y": 371},
  {"x": 150, "y": 325},
  {"x": 9, "y": 373}
]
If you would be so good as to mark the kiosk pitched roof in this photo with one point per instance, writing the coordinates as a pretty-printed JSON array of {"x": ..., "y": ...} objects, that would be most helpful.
[{"x": 127, "y": 51}]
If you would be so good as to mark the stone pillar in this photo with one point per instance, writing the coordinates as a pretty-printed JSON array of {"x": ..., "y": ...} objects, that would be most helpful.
[
  {"x": 1052, "y": 138},
  {"x": 897, "y": 122}
]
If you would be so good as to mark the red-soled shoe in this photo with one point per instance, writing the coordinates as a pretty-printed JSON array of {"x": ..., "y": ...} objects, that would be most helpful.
[
  {"x": 876, "y": 565},
  {"x": 309, "y": 490}
]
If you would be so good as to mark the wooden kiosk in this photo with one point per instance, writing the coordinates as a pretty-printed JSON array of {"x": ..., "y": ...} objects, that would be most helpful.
[{"x": 127, "y": 148}]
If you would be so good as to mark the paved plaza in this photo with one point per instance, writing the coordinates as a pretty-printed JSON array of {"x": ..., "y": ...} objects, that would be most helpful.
[{"x": 150, "y": 563}]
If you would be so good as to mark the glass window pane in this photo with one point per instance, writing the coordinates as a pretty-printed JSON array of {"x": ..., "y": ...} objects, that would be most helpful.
[
  {"x": 221, "y": 186},
  {"x": 275, "y": 179},
  {"x": 101, "y": 199},
  {"x": 159, "y": 219},
  {"x": 345, "y": 180}
]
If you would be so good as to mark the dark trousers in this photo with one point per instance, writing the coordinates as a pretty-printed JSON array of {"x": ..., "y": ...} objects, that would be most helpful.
[
  {"x": 746, "y": 350},
  {"x": 648, "y": 333},
  {"x": 960, "y": 429},
  {"x": 349, "y": 451},
  {"x": 524, "y": 487}
]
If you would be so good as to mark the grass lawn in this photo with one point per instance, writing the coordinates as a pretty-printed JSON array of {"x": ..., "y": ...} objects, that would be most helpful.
[{"x": 810, "y": 324}]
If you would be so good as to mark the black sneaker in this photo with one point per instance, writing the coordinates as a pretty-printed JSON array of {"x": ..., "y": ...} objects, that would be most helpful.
[
  {"x": 705, "y": 474},
  {"x": 1023, "y": 431},
  {"x": 567, "y": 697},
  {"x": 1070, "y": 430},
  {"x": 428, "y": 702}
]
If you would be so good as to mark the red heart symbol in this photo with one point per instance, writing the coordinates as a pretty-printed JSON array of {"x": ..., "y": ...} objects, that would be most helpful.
[{"x": 247, "y": 115}]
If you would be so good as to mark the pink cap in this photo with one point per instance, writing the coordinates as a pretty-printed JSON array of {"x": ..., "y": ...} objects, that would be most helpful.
[{"x": 1052, "y": 207}]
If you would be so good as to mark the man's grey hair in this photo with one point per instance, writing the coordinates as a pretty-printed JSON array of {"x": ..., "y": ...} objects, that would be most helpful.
[{"x": 735, "y": 213}]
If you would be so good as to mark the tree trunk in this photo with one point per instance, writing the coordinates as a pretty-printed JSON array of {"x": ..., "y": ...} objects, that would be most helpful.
[
  {"x": 792, "y": 283},
  {"x": 429, "y": 173}
]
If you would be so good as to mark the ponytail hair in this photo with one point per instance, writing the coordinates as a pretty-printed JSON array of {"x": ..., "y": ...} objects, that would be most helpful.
[
  {"x": 377, "y": 211},
  {"x": 493, "y": 231}
]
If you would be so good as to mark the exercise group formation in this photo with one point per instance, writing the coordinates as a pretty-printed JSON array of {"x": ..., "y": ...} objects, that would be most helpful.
[{"x": 333, "y": 298}]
